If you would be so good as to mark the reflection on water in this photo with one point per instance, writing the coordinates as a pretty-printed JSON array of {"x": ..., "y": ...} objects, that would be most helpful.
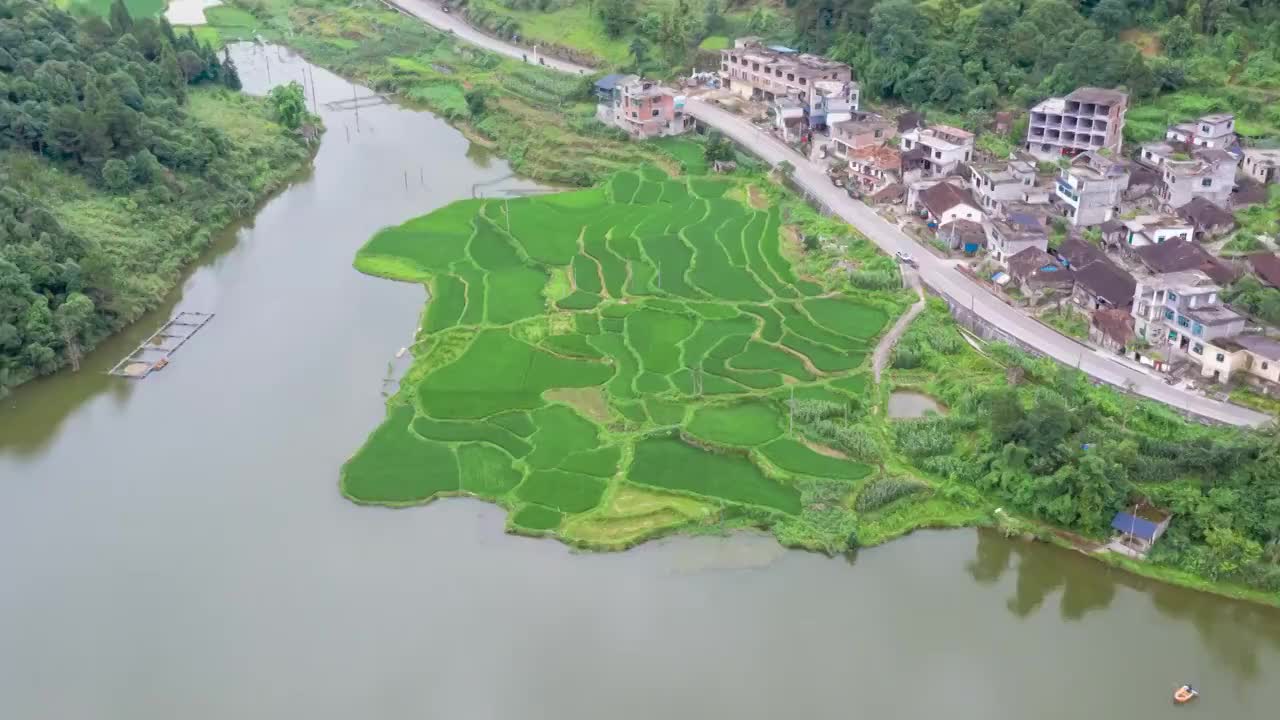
[{"x": 1233, "y": 633}]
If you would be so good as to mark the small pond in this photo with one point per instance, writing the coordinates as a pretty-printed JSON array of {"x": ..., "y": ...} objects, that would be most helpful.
[{"x": 907, "y": 404}]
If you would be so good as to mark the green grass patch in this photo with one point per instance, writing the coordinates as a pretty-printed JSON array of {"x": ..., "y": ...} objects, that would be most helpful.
[
  {"x": 564, "y": 491},
  {"x": 486, "y": 471},
  {"x": 796, "y": 457},
  {"x": 745, "y": 424},
  {"x": 670, "y": 464},
  {"x": 395, "y": 467},
  {"x": 537, "y": 518}
]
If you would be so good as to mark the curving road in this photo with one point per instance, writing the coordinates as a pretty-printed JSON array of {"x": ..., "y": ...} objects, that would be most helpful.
[{"x": 935, "y": 272}]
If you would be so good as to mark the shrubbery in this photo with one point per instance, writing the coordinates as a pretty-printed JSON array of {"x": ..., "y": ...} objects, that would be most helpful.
[{"x": 882, "y": 491}]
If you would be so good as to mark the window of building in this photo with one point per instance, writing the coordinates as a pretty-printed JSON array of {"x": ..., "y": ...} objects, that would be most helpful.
[
  {"x": 1172, "y": 296},
  {"x": 1197, "y": 329},
  {"x": 1168, "y": 314},
  {"x": 1264, "y": 365},
  {"x": 1197, "y": 349},
  {"x": 655, "y": 112},
  {"x": 1183, "y": 321},
  {"x": 1220, "y": 357},
  {"x": 937, "y": 154},
  {"x": 804, "y": 81}
]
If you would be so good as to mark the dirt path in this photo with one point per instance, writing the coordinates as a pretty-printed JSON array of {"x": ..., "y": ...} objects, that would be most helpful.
[{"x": 881, "y": 357}]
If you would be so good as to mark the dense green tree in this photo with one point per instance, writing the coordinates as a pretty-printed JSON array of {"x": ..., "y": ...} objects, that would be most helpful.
[
  {"x": 616, "y": 15},
  {"x": 289, "y": 103},
  {"x": 475, "y": 98},
  {"x": 121, "y": 21}
]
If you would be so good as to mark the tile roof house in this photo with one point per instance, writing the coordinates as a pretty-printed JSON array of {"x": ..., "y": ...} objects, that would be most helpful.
[
  {"x": 1173, "y": 256},
  {"x": 1267, "y": 267},
  {"x": 862, "y": 129},
  {"x": 1208, "y": 219},
  {"x": 1038, "y": 273},
  {"x": 963, "y": 235},
  {"x": 1255, "y": 355},
  {"x": 1100, "y": 283},
  {"x": 944, "y": 202},
  {"x": 875, "y": 166}
]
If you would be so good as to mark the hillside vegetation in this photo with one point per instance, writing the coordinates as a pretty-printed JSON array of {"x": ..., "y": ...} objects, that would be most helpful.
[{"x": 123, "y": 146}]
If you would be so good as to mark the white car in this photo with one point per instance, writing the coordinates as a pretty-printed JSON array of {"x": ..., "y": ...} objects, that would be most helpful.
[{"x": 904, "y": 257}]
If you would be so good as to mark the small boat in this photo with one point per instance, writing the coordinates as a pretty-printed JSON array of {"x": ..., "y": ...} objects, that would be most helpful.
[
  {"x": 161, "y": 363},
  {"x": 1185, "y": 694}
]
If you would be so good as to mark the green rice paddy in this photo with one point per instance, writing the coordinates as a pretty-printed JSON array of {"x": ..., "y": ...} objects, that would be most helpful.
[{"x": 615, "y": 363}]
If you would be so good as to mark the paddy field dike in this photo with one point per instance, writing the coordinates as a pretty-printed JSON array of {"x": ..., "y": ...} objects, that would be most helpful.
[{"x": 621, "y": 362}]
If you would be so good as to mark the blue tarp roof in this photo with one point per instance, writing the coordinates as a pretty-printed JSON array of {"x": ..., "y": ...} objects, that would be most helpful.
[
  {"x": 782, "y": 49},
  {"x": 609, "y": 81},
  {"x": 1135, "y": 526}
]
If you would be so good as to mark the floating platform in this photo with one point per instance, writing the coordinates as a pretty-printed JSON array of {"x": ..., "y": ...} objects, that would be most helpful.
[{"x": 154, "y": 352}]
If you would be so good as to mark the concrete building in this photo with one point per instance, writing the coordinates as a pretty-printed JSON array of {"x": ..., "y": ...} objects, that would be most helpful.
[
  {"x": 1216, "y": 131},
  {"x": 945, "y": 148},
  {"x": 1087, "y": 119},
  {"x": 832, "y": 101},
  {"x": 789, "y": 117},
  {"x": 860, "y": 131},
  {"x": 1090, "y": 187},
  {"x": 644, "y": 109},
  {"x": 1147, "y": 230},
  {"x": 755, "y": 72},
  {"x": 1210, "y": 174},
  {"x": 875, "y": 166},
  {"x": 1262, "y": 165},
  {"x": 996, "y": 184},
  {"x": 1015, "y": 232},
  {"x": 1254, "y": 355},
  {"x": 1182, "y": 311}
]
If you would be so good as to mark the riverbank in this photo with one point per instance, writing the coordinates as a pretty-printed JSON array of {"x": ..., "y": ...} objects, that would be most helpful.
[{"x": 542, "y": 122}]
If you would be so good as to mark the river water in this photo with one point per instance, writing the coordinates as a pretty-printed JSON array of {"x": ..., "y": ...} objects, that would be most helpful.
[{"x": 176, "y": 547}]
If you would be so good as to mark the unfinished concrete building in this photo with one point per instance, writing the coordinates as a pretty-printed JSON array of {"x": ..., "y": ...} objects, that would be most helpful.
[
  {"x": 1090, "y": 188},
  {"x": 1087, "y": 119},
  {"x": 756, "y": 72}
]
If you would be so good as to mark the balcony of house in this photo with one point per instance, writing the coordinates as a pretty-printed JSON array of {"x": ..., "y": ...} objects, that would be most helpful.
[
  {"x": 1053, "y": 135},
  {"x": 1102, "y": 110},
  {"x": 1069, "y": 121},
  {"x": 1073, "y": 106},
  {"x": 1039, "y": 118},
  {"x": 1055, "y": 120},
  {"x": 1097, "y": 140},
  {"x": 1037, "y": 132}
]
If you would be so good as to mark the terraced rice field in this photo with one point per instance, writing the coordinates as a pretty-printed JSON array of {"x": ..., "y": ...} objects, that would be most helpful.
[{"x": 615, "y": 363}]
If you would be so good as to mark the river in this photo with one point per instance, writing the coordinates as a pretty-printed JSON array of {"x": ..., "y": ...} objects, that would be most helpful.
[{"x": 176, "y": 547}]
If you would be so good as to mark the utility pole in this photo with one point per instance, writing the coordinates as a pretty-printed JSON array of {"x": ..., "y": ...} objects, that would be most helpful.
[
  {"x": 356, "y": 103},
  {"x": 791, "y": 426},
  {"x": 267, "y": 57}
]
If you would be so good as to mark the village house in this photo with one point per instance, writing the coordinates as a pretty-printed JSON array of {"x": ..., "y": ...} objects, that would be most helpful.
[
  {"x": 756, "y": 72},
  {"x": 965, "y": 235},
  {"x": 1267, "y": 267},
  {"x": 1099, "y": 282},
  {"x": 875, "y": 166},
  {"x": 642, "y": 108},
  {"x": 860, "y": 131},
  {"x": 1087, "y": 119},
  {"x": 944, "y": 202},
  {"x": 1217, "y": 131},
  {"x": 995, "y": 184},
  {"x": 1090, "y": 187},
  {"x": 1182, "y": 310},
  {"x": 789, "y": 118},
  {"x": 1262, "y": 165},
  {"x": 1147, "y": 230},
  {"x": 832, "y": 101},
  {"x": 945, "y": 148},
  {"x": 1210, "y": 174},
  {"x": 1138, "y": 531},
  {"x": 1207, "y": 220},
  {"x": 1037, "y": 274},
  {"x": 1256, "y": 356},
  {"x": 1111, "y": 329},
  {"x": 1175, "y": 255},
  {"x": 1018, "y": 230}
]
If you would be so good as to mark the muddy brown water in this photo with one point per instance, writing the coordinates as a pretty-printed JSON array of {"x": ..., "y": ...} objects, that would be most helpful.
[
  {"x": 177, "y": 548},
  {"x": 907, "y": 404}
]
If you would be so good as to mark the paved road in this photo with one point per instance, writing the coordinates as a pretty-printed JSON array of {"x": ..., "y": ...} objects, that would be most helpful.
[{"x": 936, "y": 273}]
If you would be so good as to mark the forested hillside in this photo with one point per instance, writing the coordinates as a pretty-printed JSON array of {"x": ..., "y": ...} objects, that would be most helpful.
[
  {"x": 951, "y": 55},
  {"x": 117, "y": 159}
]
